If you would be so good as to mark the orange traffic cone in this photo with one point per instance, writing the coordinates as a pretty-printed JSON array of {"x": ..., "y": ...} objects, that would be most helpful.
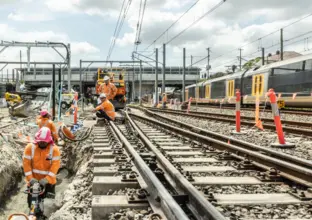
[{"x": 259, "y": 125}]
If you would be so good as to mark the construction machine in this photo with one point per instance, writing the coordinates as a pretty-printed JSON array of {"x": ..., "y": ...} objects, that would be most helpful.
[
  {"x": 12, "y": 99},
  {"x": 19, "y": 103},
  {"x": 119, "y": 101}
]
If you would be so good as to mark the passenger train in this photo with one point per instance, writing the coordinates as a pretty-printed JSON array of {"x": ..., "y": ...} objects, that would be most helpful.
[{"x": 288, "y": 77}]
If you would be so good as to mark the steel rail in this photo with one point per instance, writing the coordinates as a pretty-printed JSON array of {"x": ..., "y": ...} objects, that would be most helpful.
[
  {"x": 231, "y": 119},
  {"x": 200, "y": 113},
  {"x": 246, "y": 145},
  {"x": 17, "y": 122},
  {"x": 170, "y": 207},
  {"x": 197, "y": 200},
  {"x": 293, "y": 111},
  {"x": 288, "y": 170}
]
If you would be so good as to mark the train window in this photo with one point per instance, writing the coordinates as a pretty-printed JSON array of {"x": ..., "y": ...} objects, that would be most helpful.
[
  {"x": 197, "y": 92},
  {"x": 207, "y": 92},
  {"x": 292, "y": 78},
  {"x": 257, "y": 85},
  {"x": 218, "y": 89},
  {"x": 230, "y": 88}
]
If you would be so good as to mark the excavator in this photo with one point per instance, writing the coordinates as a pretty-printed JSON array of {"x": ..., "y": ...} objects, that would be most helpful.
[
  {"x": 12, "y": 99},
  {"x": 19, "y": 103}
]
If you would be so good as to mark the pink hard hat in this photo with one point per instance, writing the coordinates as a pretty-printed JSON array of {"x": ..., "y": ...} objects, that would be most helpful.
[
  {"x": 44, "y": 112},
  {"x": 44, "y": 134}
]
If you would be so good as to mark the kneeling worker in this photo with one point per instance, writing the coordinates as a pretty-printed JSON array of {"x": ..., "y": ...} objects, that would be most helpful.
[
  {"x": 105, "y": 109},
  {"x": 44, "y": 121},
  {"x": 41, "y": 162}
]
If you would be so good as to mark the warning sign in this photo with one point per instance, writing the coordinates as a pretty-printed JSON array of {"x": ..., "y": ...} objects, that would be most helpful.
[{"x": 281, "y": 104}]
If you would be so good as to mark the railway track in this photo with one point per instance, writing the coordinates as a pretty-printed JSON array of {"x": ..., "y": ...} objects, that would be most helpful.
[
  {"x": 294, "y": 127},
  {"x": 289, "y": 111},
  {"x": 219, "y": 170},
  {"x": 300, "y": 153},
  {"x": 121, "y": 164},
  {"x": 166, "y": 171}
]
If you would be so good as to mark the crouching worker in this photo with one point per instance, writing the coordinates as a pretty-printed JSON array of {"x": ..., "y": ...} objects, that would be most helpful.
[
  {"x": 44, "y": 121},
  {"x": 41, "y": 162},
  {"x": 105, "y": 109}
]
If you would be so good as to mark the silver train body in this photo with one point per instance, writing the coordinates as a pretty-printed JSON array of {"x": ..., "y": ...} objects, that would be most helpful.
[{"x": 288, "y": 77}]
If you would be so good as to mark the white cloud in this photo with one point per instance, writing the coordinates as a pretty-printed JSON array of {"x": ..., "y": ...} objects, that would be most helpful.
[
  {"x": 79, "y": 48},
  {"x": 233, "y": 24},
  {"x": 35, "y": 17},
  {"x": 127, "y": 39}
]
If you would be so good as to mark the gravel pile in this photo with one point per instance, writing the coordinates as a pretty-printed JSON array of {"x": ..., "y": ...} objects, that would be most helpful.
[
  {"x": 131, "y": 214},
  {"x": 12, "y": 149},
  {"x": 297, "y": 211},
  {"x": 246, "y": 189},
  {"x": 237, "y": 173},
  {"x": 75, "y": 201},
  {"x": 262, "y": 138},
  {"x": 284, "y": 116}
]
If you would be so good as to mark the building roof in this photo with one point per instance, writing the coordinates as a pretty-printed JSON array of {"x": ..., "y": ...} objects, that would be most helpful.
[{"x": 277, "y": 57}]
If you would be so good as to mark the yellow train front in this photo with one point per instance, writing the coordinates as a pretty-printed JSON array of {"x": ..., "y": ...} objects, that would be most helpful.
[
  {"x": 119, "y": 101},
  {"x": 291, "y": 80}
]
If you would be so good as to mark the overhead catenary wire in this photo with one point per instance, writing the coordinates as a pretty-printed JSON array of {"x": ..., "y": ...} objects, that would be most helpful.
[
  {"x": 139, "y": 24},
  {"x": 137, "y": 28},
  {"x": 197, "y": 20},
  {"x": 260, "y": 38},
  {"x": 117, "y": 25},
  {"x": 122, "y": 16},
  {"x": 176, "y": 21}
]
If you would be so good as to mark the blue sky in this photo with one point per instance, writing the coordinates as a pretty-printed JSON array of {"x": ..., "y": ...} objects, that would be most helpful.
[{"x": 89, "y": 25}]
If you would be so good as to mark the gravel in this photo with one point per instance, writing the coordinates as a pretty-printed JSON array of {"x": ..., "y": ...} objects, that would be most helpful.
[
  {"x": 284, "y": 116},
  {"x": 269, "y": 211},
  {"x": 247, "y": 189},
  {"x": 262, "y": 138},
  {"x": 130, "y": 214},
  {"x": 75, "y": 201}
]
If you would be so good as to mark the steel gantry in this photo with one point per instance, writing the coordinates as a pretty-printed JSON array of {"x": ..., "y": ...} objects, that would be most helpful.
[{"x": 29, "y": 45}]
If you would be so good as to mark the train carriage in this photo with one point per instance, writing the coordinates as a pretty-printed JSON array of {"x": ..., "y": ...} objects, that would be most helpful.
[{"x": 291, "y": 79}]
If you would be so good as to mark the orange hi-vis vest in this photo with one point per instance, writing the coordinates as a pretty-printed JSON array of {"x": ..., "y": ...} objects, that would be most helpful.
[
  {"x": 45, "y": 122},
  {"x": 108, "y": 108},
  {"x": 109, "y": 90},
  {"x": 41, "y": 163},
  {"x": 164, "y": 98}
]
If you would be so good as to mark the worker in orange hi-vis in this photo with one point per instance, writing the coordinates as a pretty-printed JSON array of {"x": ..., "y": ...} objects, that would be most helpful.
[
  {"x": 41, "y": 162},
  {"x": 105, "y": 109},
  {"x": 44, "y": 121},
  {"x": 108, "y": 88},
  {"x": 164, "y": 100}
]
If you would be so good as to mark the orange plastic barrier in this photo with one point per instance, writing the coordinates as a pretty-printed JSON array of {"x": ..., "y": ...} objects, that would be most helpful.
[{"x": 277, "y": 120}]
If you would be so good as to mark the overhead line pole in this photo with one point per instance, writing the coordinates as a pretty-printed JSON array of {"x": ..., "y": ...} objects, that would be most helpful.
[
  {"x": 208, "y": 63},
  {"x": 140, "y": 101},
  {"x": 240, "y": 58},
  {"x": 163, "y": 88},
  {"x": 183, "y": 78},
  {"x": 282, "y": 45},
  {"x": 156, "y": 78}
]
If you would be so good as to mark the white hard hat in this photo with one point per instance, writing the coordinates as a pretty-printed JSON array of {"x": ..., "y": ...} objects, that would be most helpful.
[
  {"x": 102, "y": 95},
  {"x": 106, "y": 78}
]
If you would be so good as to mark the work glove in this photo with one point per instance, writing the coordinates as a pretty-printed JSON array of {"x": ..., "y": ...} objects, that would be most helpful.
[
  {"x": 43, "y": 182},
  {"x": 33, "y": 181}
]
